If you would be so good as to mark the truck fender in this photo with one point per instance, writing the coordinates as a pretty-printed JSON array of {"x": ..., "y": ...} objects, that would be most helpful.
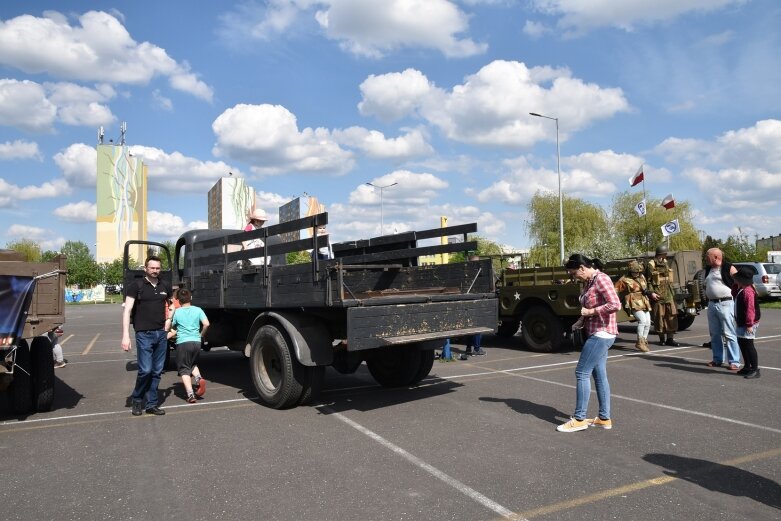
[{"x": 309, "y": 336}]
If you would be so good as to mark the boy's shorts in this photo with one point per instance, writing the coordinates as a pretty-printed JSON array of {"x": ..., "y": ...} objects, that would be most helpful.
[{"x": 187, "y": 356}]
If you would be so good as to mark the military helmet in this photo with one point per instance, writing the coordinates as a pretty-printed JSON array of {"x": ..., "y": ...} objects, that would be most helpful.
[
  {"x": 635, "y": 267},
  {"x": 661, "y": 250}
]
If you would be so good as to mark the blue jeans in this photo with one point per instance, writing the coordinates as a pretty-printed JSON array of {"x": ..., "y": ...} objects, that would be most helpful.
[
  {"x": 152, "y": 348},
  {"x": 721, "y": 321},
  {"x": 593, "y": 360}
]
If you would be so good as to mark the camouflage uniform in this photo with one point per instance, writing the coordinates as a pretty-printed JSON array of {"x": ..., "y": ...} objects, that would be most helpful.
[
  {"x": 633, "y": 290},
  {"x": 663, "y": 313}
]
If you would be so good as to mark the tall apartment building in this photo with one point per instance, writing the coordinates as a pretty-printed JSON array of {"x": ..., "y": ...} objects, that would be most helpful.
[
  {"x": 121, "y": 203},
  {"x": 229, "y": 201}
]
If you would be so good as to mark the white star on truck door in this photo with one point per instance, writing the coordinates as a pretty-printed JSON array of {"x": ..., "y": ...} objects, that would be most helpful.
[{"x": 517, "y": 296}]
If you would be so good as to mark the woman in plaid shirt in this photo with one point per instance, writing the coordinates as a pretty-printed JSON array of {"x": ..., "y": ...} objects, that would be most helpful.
[{"x": 599, "y": 302}]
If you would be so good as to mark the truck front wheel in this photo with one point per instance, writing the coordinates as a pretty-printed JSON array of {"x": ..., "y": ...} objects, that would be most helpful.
[
  {"x": 426, "y": 363},
  {"x": 277, "y": 375},
  {"x": 43, "y": 373},
  {"x": 396, "y": 366},
  {"x": 542, "y": 330},
  {"x": 685, "y": 321}
]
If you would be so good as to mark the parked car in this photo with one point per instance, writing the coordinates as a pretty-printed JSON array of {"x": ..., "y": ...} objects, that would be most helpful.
[{"x": 766, "y": 278}]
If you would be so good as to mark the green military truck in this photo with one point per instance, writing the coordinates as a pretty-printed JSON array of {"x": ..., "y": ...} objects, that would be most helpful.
[
  {"x": 32, "y": 303},
  {"x": 543, "y": 302}
]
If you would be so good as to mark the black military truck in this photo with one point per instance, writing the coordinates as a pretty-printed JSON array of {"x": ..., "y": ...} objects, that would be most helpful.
[
  {"x": 371, "y": 303},
  {"x": 32, "y": 303},
  {"x": 543, "y": 302}
]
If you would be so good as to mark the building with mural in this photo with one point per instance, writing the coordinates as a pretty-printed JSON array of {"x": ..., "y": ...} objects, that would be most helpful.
[
  {"x": 229, "y": 202},
  {"x": 121, "y": 203}
]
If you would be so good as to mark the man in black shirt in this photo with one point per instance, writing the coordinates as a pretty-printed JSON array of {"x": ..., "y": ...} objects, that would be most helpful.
[{"x": 149, "y": 296}]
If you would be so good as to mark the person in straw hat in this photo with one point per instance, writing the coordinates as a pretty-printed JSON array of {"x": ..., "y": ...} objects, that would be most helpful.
[{"x": 255, "y": 219}]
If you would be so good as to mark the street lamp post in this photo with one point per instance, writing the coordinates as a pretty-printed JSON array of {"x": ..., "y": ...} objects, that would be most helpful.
[
  {"x": 382, "y": 227},
  {"x": 558, "y": 171}
]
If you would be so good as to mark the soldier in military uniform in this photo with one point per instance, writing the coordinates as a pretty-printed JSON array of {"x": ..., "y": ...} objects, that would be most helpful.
[
  {"x": 633, "y": 290},
  {"x": 663, "y": 311}
]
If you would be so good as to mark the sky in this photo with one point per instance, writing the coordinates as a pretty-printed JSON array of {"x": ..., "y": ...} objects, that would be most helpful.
[{"x": 320, "y": 97}]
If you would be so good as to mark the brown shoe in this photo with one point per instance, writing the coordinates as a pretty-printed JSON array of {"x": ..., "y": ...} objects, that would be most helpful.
[{"x": 641, "y": 346}]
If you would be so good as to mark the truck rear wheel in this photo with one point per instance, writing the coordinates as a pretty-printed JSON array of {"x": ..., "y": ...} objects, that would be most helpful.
[
  {"x": 685, "y": 321},
  {"x": 43, "y": 374},
  {"x": 541, "y": 330},
  {"x": 396, "y": 366},
  {"x": 508, "y": 328},
  {"x": 277, "y": 375},
  {"x": 22, "y": 385},
  {"x": 426, "y": 363}
]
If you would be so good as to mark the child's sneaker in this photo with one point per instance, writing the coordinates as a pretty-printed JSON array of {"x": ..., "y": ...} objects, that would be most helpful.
[
  {"x": 191, "y": 398},
  {"x": 201, "y": 390},
  {"x": 599, "y": 422},
  {"x": 573, "y": 425}
]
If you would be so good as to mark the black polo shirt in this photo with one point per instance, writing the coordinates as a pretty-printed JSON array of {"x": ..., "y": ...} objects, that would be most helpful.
[{"x": 150, "y": 306}]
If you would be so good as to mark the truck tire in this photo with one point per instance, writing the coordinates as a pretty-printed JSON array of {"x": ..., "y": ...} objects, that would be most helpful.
[
  {"x": 395, "y": 367},
  {"x": 43, "y": 373},
  {"x": 314, "y": 377},
  {"x": 426, "y": 363},
  {"x": 277, "y": 375},
  {"x": 685, "y": 321},
  {"x": 22, "y": 385},
  {"x": 508, "y": 328},
  {"x": 541, "y": 330}
]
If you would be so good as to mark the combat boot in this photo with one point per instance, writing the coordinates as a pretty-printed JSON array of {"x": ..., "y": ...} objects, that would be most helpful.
[
  {"x": 661, "y": 340},
  {"x": 671, "y": 341},
  {"x": 640, "y": 345}
]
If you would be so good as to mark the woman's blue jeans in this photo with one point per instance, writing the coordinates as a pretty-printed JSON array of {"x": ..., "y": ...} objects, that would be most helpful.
[
  {"x": 151, "y": 350},
  {"x": 593, "y": 360}
]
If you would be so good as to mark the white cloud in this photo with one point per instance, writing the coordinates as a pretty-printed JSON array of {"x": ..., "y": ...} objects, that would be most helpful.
[
  {"x": 19, "y": 149},
  {"x": 737, "y": 169},
  {"x": 492, "y": 106},
  {"x": 161, "y": 101},
  {"x": 12, "y": 193},
  {"x": 374, "y": 144},
  {"x": 27, "y": 232},
  {"x": 97, "y": 48},
  {"x": 267, "y": 136},
  {"x": 79, "y": 164},
  {"x": 535, "y": 29},
  {"x": 176, "y": 173},
  {"x": 392, "y": 96},
  {"x": 78, "y": 105},
  {"x": 411, "y": 189},
  {"x": 80, "y": 212},
  {"x": 24, "y": 105},
  {"x": 577, "y": 17},
  {"x": 170, "y": 226},
  {"x": 374, "y": 28}
]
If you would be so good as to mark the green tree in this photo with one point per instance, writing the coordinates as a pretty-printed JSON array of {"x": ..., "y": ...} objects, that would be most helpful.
[
  {"x": 645, "y": 233},
  {"x": 83, "y": 271},
  {"x": 298, "y": 257},
  {"x": 28, "y": 248},
  {"x": 49, "y": 255},
  {"x": 111, "y": 272},
  {"x": 737, "y": 248},
  {"x": 583, "y": 222}
]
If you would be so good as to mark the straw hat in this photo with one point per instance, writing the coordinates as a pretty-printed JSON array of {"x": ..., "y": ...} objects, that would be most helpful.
[{"x": 257, "y": 214}]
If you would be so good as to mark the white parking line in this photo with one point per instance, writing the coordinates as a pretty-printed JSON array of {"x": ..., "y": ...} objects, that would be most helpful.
[{"x": 445, "y": 478}]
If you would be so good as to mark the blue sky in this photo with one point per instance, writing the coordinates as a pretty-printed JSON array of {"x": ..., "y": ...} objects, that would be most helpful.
[{"x": 323, "y": 96}]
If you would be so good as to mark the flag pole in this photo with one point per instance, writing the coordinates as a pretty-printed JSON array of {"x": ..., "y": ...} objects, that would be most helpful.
[{"x": 647, "y": 241}]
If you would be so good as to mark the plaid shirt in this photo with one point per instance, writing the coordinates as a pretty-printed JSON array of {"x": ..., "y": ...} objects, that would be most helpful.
[{"x": 600, "y": 294}]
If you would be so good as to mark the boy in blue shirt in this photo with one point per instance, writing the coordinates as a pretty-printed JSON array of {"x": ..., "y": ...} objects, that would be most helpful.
[{"x": 189, "y": 325}]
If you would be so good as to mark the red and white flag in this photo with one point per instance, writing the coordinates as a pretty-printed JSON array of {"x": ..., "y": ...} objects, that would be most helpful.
[
  {"x": 637, "y": 178},
  {"x": 668, "y": 201}
]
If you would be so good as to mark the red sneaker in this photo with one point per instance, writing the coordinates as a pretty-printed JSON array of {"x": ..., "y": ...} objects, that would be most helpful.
[{"x": 201, "y": 387}]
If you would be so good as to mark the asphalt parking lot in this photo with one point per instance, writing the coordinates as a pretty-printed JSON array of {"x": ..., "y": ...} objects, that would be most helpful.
[{"x": 476, "y": 441}]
